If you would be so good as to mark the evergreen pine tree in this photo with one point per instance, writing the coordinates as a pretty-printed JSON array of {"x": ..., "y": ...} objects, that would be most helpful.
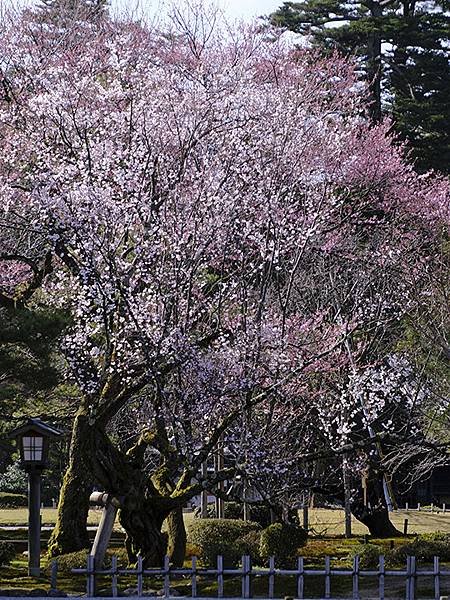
[
  {"x": 64, "y": 12},
  {"x": 403, "y": 47}
]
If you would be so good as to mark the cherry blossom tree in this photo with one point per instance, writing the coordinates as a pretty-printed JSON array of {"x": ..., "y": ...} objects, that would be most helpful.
[{"x": 191, "y": 188}]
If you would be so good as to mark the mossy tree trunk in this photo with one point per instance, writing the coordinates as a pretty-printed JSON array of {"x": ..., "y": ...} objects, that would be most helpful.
[
  {"x": 143, "y": 509},
  {"x": 142, "y": 519},
  {"x": 146, "y": 500},
  {"x": 164, "y": 482},
  {"x": 70, "y": 532},
  {"x": 177, "y": 537}
]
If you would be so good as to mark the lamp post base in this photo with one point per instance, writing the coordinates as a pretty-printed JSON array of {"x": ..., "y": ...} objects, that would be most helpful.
[{"x": 34, "y": 522}]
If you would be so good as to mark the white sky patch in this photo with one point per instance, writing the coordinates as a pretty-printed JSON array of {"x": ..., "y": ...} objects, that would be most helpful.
[{"x": 233, "y": 9}]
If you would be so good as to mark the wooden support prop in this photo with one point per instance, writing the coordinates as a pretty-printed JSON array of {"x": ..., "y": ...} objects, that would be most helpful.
[
  {"x": 405, "y": 527},
  {"x": 110, "y": 506},
  {"x": 204, "y": 494},
  {"x": 347, "y": 498}
]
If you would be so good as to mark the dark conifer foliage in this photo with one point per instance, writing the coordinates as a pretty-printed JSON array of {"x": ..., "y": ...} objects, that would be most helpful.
[
  {"x": 62, "y": 12},
  {"x": 404, "y": 50}
]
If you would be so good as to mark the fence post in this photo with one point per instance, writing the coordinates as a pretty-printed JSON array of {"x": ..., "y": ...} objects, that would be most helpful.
[
  {"x": 249, "y": 576},
  {"x": 220, "y": 576},
  {"x": 114, "y": 576},
  {"x": 54, "y": 575},
  {"x": 436, "y": 573},
  {"x": 166, "y": 577},
  {"x": 140, "y": 576},
  {"x": 381, "y": 577},
  {"x": 413, "y": 578},
  {"x": 194, "y": 577},
  {"x": 408, "y": 576},
  {"x": 327, "y": 577},
  {"x": 300, "y": 578},
  {"x": 90, "y": 591},
  {"x": 246, "y": 567},
  {"x": 356, "y": 578},
  {"x": 271, "y": 576}
]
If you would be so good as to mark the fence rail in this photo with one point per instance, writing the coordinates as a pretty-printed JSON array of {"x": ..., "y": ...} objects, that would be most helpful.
[{"x": 247, "y": 573}]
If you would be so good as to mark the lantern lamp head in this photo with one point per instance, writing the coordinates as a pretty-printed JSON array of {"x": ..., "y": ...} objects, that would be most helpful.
[{"x": 33, "y": 442}]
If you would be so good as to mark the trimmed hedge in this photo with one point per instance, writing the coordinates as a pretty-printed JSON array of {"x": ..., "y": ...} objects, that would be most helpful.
[
  {"x": 7, "y": 553},
  {"x": 78, "y": 560},
  {"x": 216, "y": 537},
  {"x": 282, "y": 541},
  {"x": 10, "y": 500},
  {"x": 259, "y": 513}
]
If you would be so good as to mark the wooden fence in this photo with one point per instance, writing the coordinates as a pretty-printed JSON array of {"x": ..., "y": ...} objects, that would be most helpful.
[{"x": 248, "y": 574}]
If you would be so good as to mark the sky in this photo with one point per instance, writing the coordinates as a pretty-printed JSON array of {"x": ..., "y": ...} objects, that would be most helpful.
[{"x": 233, "y": 9}]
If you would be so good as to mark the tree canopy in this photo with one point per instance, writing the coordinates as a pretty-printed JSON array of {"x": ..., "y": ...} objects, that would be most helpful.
[{"x": 230, "y": 277}]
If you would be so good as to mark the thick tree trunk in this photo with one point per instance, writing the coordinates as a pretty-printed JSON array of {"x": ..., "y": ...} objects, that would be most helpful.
[
  {"x": 70, "y": 533},
  {"x": 143, "y": 507},
  {"x": 376, "y": 520},
  {"x": 142, "y": 520},
  {"x": 371, "y": 508},
  {"x": 177, "y": 537}
]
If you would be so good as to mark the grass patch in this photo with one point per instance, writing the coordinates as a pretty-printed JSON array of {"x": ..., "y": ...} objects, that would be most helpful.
[{"x": 19, "y": 516}]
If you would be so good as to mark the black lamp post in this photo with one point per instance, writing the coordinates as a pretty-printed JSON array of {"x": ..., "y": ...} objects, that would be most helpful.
[{"x": 33, "y": 442}]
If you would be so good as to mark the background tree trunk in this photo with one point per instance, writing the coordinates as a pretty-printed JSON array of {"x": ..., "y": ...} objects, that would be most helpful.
[
  {"x": 372, "y": 510},
  {"x": 374, "y": 62}
]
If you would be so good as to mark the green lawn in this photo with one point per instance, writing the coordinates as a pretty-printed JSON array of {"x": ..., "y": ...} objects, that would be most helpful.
[
  {"x": 321, "y": 521},
  {"x": 331, "y": 522},
  {"x": 19, "y": 516}
]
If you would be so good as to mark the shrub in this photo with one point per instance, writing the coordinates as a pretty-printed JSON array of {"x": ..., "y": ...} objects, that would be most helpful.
[
  {"x": 249, "y": 544},
  {"x": 282, "y": 541},
  {"x": 216, "y": 537},
  {"x": 9, "y": 500},
  {"x": 436, "y": 536},
  {"x": 7, "y": 553},
  {"x": 368, "y": 555},
  {"x": 259, "y": 513},
  {"x": 72, "y": 560},
  {"x": 424, "y": 548},
  {"x": 14, "y": 479},
  {"x": 78, "y": 560}
]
